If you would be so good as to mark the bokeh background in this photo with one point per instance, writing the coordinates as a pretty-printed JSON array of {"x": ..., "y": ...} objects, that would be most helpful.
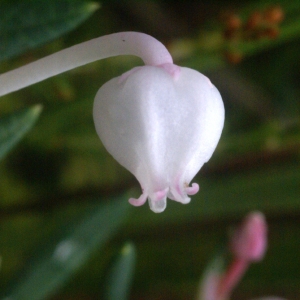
[{"x": 64, "y": 216}]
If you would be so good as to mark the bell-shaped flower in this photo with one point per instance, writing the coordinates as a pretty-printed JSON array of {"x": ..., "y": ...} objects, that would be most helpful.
[{"x": 162, "y": 123}]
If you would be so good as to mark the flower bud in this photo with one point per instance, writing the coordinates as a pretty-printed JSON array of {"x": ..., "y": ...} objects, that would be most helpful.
[{"x": 249, "y": 242}]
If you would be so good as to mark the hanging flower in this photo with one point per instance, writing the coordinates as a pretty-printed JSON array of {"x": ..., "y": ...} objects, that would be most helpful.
[{"x": 161, "y": 122}]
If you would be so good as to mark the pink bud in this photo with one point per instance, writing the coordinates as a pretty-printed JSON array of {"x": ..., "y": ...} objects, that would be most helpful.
[{"x": 249, "y": 242}]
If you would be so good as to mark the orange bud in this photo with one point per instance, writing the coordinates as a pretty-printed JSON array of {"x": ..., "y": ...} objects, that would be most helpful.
[
  {"x": 234, "y": 57},
  {"x": 254, "y": 20},
  {"x": 274, "y": 15},
  {"x": 233, "y": 22},
  {"x": 271, "y": 32}
]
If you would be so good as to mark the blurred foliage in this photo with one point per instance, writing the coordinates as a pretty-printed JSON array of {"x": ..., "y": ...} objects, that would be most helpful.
[
  {"x": 61, "y": 168},
  {"x": 14, "y": 126},
  {"x": 67, "y": 249},
  {"x": 117, "y": 283},
  {"x": 27, "y": 24}
]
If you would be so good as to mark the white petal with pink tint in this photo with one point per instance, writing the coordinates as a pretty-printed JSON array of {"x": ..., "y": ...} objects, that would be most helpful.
[{"x": 162, "y": 124}]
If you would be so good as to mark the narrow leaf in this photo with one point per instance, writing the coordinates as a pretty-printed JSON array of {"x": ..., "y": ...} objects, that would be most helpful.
[
  {"x": 120, "y": 275},
  {"x": 14, "y": 126},
  {"x": 28, "y": 24},
  {"x": 64, "y": 257},
  {"x": 211, "y": 278},
  {"x": 271, "y": 189}
]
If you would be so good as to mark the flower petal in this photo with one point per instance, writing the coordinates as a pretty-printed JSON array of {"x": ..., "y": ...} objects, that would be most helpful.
[{"x": 162, "y": 124}]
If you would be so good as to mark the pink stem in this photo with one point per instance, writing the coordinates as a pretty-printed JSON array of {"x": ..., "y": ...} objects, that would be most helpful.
[{"x": 232, "y": 276}]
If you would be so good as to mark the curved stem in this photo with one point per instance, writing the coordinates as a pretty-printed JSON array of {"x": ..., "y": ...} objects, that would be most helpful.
[
  {"x": 150, "y": 50},
  {"x": 232, "y": 276}
]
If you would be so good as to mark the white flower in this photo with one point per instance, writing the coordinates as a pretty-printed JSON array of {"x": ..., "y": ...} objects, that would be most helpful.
[{"x": 162, "y": 123}]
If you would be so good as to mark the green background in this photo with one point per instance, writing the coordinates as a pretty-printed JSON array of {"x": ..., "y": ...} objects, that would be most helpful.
[{"x": 61, "y": 191}]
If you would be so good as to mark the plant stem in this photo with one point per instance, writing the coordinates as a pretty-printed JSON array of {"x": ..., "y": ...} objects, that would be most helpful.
[{"x": 150, "y": 50}]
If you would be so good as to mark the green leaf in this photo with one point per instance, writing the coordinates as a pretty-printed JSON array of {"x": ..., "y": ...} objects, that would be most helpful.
[
  {"x": 211, "y": 277},
  {"x": 271, "y": 189},
  {"x": 27, "y": 24},
  {"x": 120, "y": 275},
  {"x": 61, "y": 259},
  {"x": 14, "y": 126}
]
